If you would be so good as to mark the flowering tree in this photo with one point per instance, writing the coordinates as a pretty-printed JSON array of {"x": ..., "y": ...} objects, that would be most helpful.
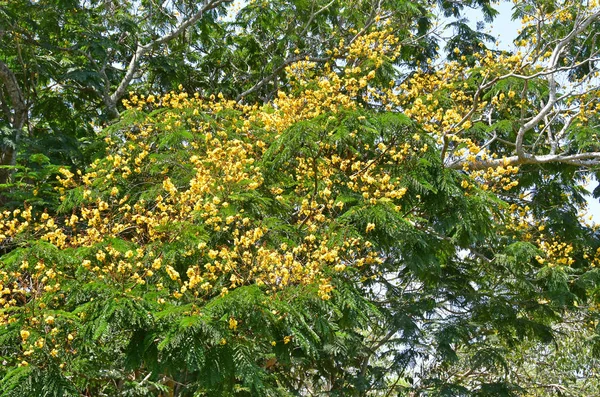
[
  {"x": 65, "y": 65},
  {"x": 356, "y": 235}
]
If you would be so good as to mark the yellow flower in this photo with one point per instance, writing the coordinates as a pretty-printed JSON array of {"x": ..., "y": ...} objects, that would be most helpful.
[
  {"x": 233, "y": 323},
  {"x": 339, "y": 267},
  {"x": 25, "y": 334},
  {"x": 49, "y": 320},
  {"x": 173, "y": 274},
  {"x": 370, "y": 226},
  {"x": 100, "y": 255},
  {"x": 156, "y": 264}
]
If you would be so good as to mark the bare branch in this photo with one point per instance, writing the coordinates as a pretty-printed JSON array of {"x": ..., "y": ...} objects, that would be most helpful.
[
  {"x": 550, "y": 111},
  {"x": 552, "y": 66},
  {"x": 589, "y": 159},
  {"x": 314, "y": 15}
]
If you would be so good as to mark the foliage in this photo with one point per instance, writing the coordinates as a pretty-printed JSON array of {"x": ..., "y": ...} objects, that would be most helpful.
[
  {"x": 352, "y": 233},
  {"x": 65, "y": 65}
]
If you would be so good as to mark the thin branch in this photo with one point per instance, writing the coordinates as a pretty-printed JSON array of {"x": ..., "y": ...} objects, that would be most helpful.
[
  {"x": 142, "y": 50},
  {"x": 313, "y": 15},
  {"x": 277, "y": 70}
]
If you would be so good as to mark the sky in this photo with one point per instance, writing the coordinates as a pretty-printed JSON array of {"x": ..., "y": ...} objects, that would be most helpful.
[{"x": 505, "y": 31}]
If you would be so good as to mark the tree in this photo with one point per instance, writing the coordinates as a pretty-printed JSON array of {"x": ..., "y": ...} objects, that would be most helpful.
[
  {"x": 353, "y": 234},
  {"x": 63, "y": 59},
  {"x": 66, "y": 64},
  {"x": 69, "y": 52}
]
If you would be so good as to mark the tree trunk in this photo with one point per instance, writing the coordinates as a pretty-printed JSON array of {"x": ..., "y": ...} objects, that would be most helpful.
[{"x": 16, "y": 117}]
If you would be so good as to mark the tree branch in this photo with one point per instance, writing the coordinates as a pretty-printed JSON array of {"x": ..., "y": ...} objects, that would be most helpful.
[
  {"x": 273, "y": 74},
  {"x": 142, "y": 50},
  {"x": 8, "y": 154},
  {"x": 552, "y": 69},
  {"x": 550, "y": 111},
  {"x": 8, "y": 78},
  {"x": 589, "y": 159}
]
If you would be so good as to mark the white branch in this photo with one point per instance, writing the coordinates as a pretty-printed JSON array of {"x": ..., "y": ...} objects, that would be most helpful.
[
  {"x": 589, "y": 159},
  {"x": 552, "y": 70}
]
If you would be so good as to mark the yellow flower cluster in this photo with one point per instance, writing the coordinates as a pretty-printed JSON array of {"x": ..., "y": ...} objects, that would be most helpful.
[
  {"x": 223, "y": 145},
  {"x": 501, "y": 178},
  {"x": 327, "y": 90},
  {"x": 593, "y": 257},
  {"x": 522, "y": 225},
  {"x": 556, "y": 253}
]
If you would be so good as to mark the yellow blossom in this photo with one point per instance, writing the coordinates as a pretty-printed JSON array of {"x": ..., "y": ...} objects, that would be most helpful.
[{"x": 24, "y": 334}]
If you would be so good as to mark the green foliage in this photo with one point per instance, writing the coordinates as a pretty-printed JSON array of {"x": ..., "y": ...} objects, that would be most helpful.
[{"x": 441, "y": 286}]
